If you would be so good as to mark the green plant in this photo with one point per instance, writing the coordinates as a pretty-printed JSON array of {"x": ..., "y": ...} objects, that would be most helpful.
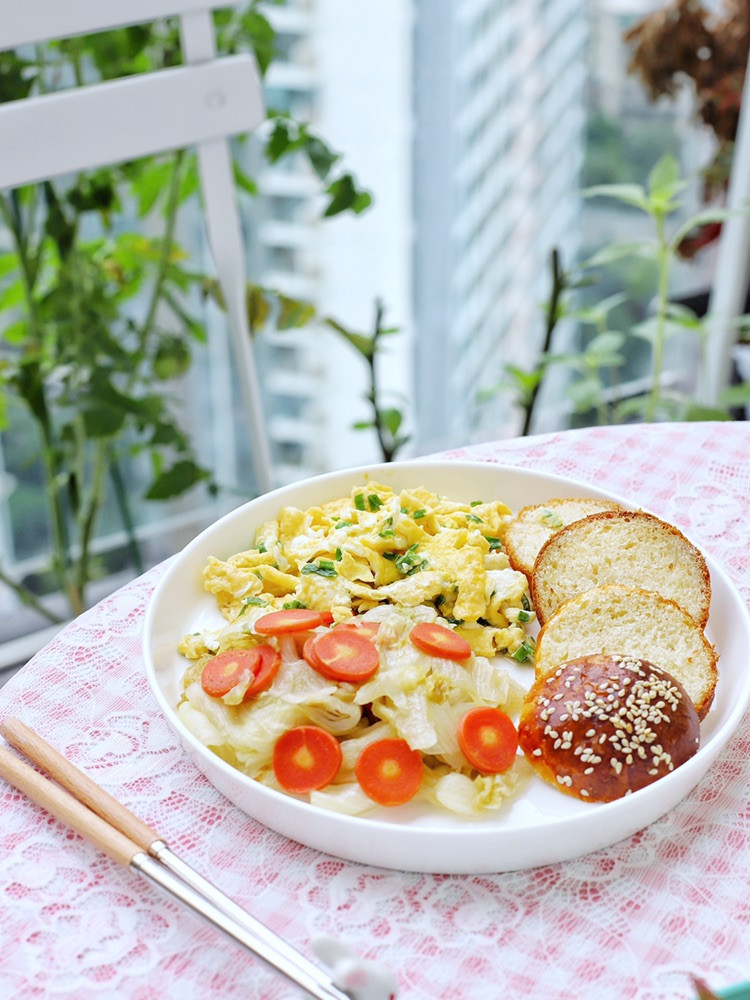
[
  {"x": 266, "y": 305},
  {"x": 595, "y": 383},
  {"x": 99, "y": 319}
]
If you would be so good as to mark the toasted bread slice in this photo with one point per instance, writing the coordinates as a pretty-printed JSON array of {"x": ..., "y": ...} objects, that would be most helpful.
[
  {"x": 621, "y": 546},
  {"x": 527, "y": 531},
  {"x": 631, "y": 622}
]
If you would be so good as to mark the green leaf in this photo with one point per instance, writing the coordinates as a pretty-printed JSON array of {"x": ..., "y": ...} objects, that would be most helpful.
[
  {"x": 682, "y": 316},
  {"x": 280, "y": 140},
  {"x": 243, "y": 181},
  {"x": 597, "y": 313},
  {"x": 13, "y": 295},
  {"x": 103, "y": 421},
  {"x": 634, "y": 406},
  {"x": 391, "y": 419},
  {"x": 697, "y": 221},
  {"x": 360, "y": 342},
  {"x": 176, "y": 480},
  {"x": 258, "y": 307},
  {"x": 8, "y": 262},
  {"x": 294, "y": 313},
  {"x": 585, "y": 393},
  {"x": 16, "y": 333},
  {"x": 605, "y": 343},
  {"x": 346, "y": 196},
  {"x": 152, "y": 184},
  {"x": 664, "y": 180},
  {"x": 322, "y": 158},
  {"x": 627, "y": 194},
  {"x": 736, "y": 395},
  {"x": 614, "y": 252},
  {"x": 172, "y": 358},
  {"x": 262, "y": 37}
]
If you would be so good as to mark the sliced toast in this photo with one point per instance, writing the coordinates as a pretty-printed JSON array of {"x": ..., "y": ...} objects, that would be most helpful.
[{"x": 620, "y": 546}]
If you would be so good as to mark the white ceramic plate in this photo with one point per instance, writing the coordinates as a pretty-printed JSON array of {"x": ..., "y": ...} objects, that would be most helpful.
[{"x": 541, "y": 825}]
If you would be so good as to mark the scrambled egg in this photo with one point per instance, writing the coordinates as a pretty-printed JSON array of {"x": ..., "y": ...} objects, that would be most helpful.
[{"x": 377, "y": 547}]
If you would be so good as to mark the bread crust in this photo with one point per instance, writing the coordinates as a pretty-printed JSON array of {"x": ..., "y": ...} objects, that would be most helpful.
[
  {"x": 634, "y": 548},
  {"x": 602, "y": 726}
]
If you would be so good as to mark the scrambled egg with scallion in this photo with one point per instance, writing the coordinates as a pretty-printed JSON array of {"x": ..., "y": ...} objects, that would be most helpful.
[{"x": 375, "y": 555}]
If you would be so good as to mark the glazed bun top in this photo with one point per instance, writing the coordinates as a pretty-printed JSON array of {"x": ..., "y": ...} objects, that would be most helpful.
[{"x": 601, "y": 726}]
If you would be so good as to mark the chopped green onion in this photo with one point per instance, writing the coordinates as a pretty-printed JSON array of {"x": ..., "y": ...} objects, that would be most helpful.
[
  {"x": 359, "y": 501},
  {"x": 526, "y": 603},
  {"x": 390, "y": 556},
  {"x": 524, "y": 616},
  {"x": 374, "y": 501},
  {"x": 251, "y": 602},
  {"x": 551, "y": 519},
  {"x": 338, "y": 555},
  {"x": 387, "y": 533},
  {"x": 476, "y": 503},
  {"x": 474, "y": 518},
  {"x": 323, "y": 567},
  {"x": 454, "y": 621},
  {"x": 440, "y": 599},
  {"x": 294, "y": 604},
  {"x": 261, "y": 548},
  {"x": 418, "y": 513},
  {"x": 410, "y": 562},
  {"x": 343, "y": 524},
  {"x": 495, "y": 543},
  {"x": 525, "y": 650}
]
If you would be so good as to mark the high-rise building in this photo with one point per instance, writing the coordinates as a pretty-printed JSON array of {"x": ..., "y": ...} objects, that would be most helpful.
[
  {"x": 466, "y": 121},
  {"x": 499, "y": 115}
]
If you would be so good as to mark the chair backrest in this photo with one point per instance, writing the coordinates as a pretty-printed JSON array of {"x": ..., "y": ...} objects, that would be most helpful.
[{"x": 201, "y": 103}]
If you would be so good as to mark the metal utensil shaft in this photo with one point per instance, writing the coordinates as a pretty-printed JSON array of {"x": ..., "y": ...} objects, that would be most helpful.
[
  {"x": 156, "y": 873},
  {"x": 162, "y": 852}
]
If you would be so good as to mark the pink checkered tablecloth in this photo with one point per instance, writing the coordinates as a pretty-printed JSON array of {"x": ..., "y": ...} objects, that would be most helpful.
[{"x": 634, "y": 920}]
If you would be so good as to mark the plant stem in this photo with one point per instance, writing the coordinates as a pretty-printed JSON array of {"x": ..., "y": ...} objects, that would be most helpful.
[
  {"x": 173, "y": 200},
  {"x": 660, "y": 333},
  {"x": 559, "y": 284},
  {"x": 386, "y": 450},
  {"x": 29, "y": 599},
  {"x": 123, "y": 505},
  {"x": 52, "y": 492}
]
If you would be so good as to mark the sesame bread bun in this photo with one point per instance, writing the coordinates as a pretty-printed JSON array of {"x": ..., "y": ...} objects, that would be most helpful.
[
  {"x": 527, "y": 531},
  {"x": 600, "y": 727},
  {"x": 636, "y": 623},
  {"x": 620, "y": 546}
]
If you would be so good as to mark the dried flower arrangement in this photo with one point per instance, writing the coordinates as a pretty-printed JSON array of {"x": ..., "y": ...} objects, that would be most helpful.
[{"x": 684, "y": 42}]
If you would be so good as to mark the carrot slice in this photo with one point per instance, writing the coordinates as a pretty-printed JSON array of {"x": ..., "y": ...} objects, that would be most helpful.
[
  {"x": 223, "y": 672},
  {"x": 488, "y": 739},
  {"x": 305, "y": 758},
  {"x": 270, "y": 661},
  {"x": 389, "y": 771},
  {"x": 291, "y": 620},
  {"x": 342, "y": 654},
  {"x": 440, "y": 641}
]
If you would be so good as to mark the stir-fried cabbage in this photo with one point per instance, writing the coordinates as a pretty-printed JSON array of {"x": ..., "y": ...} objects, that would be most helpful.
[{"x": 415, "y": 696}]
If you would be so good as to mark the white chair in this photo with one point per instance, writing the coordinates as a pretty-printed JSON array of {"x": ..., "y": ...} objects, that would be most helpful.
[{"x": 198, "y": 104}]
